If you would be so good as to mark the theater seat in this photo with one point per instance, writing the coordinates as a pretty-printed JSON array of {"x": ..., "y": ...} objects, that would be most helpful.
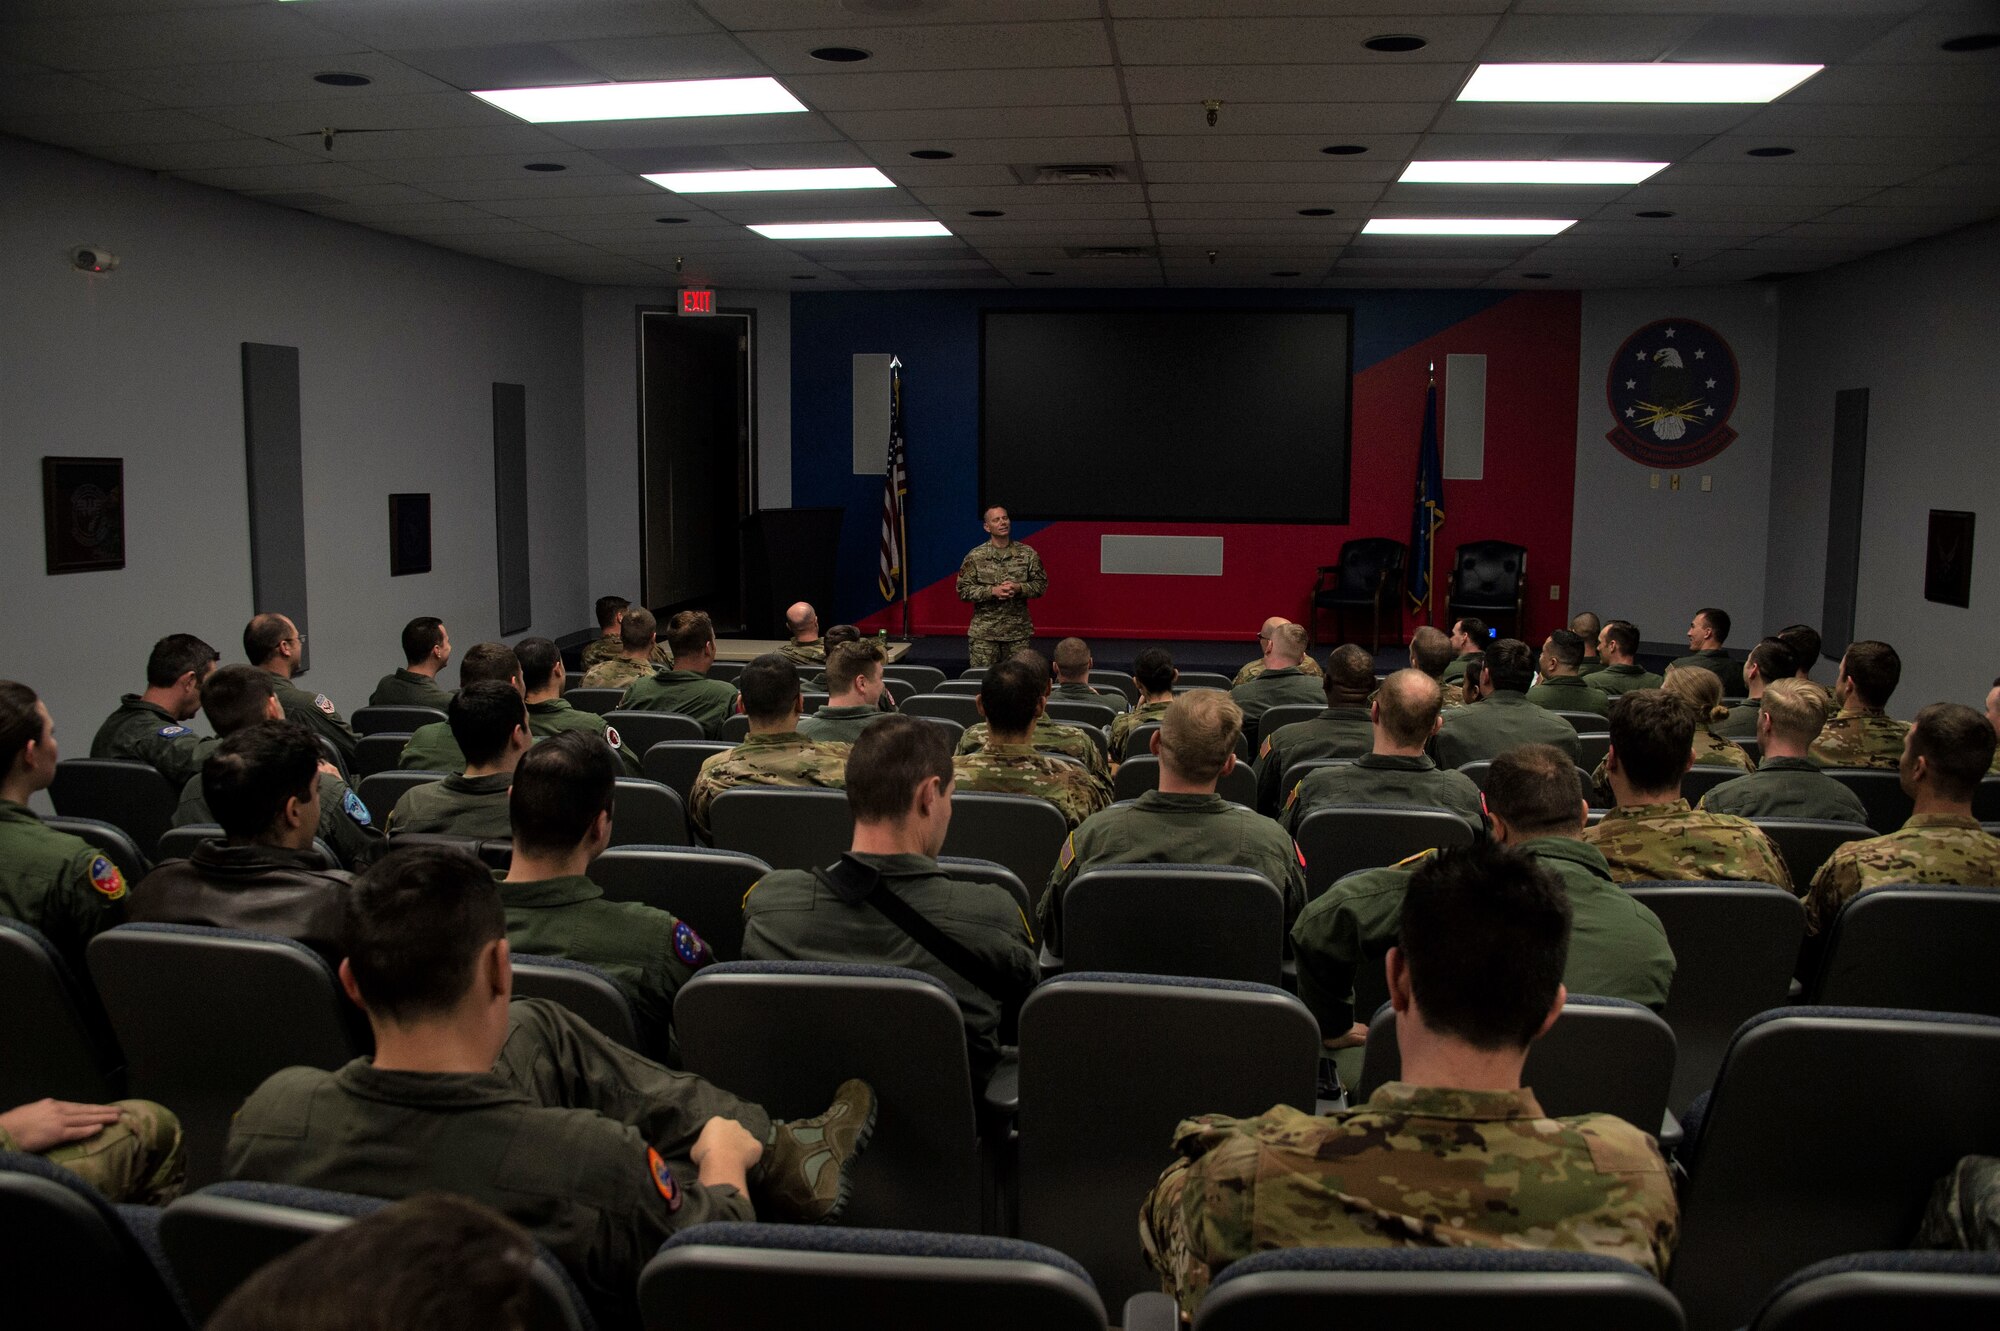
[
  {"x": 132, "y": 796},
  {"x": 1931, "y": 948},
  {"x": 586, "y": 990},
  {"x": 403, "y": 719},
  {"x": 1870, "y": 1291},
  {"x": 1218, "y": 922},
  {"x": 702, "y": 885},
  {"x": 1337, "y": 839},
  {"x": 58, "y": 1042},
  {"x": 75, "y": 1260}
]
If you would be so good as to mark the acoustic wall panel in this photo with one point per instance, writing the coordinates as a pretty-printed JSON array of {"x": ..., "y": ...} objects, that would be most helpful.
[
  {"x": 510, "y": 504},
  {"x": 1188, "y": 556},
  {"x": 871, "y": 413},
  {"x": 1843, "y": 519},
  {"x": 274, "y": 464},
  {"x": 1464, "y": 418}
]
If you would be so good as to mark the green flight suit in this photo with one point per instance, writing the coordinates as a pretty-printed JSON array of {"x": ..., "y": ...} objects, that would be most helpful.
[
  {"x": 1613, "y": 680},
  {"x": 1084, "y": 693},
  {"x": 1455, "y": 672},
  {"x": 582, "y": 1142},
  {"x": 1786, "y": 788},
  {"x": 1123, "y": 724},
  {"x": 1159, "y": 828},
  {"x": 317, "y": 713},
  {"x": 1386, "y": 778},
  {"x": 1496, "y": 723},
  {"x": 460, "y": 805},
  {"x": 1337, "y": 732},
  {"x": 789, "y": 916},
  {"x": 1741, "y": 721},
  {"x": 650, "y": 952},
  {"x": 344, "y": 821},
  {"x": 709, "y": 701},
  {"x": 406, "y": 688},
  {"x": 840, "y": 725},
  {"x": 143, "y": 732},
  {"x": 1570, "y": 693},
  {"x": 57, "y": 883},
  {"x": 1287, "y": 685},
  {"x": 1723, "y": 666},
  {"x": 1617, "y": 948},
  {"x": 1252, "y": 669},
  {"x": 432, "y": 748},
  {"x": 552, "y": 716}
]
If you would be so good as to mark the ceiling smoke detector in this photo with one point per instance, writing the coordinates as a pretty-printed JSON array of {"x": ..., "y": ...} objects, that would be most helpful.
[
  {"x": 1078, "y": 174},
  {"x": 1108, "y": 251}
]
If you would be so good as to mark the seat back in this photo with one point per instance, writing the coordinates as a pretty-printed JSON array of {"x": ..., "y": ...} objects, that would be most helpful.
[
  {"x": 926, "y": 678},
  {"x": 956, "y": 729},
  {"x": 599, "y": 701},
  {"x": 1763, "y": 1200},
  {"x": 380, "y": 790},
  {"x": 960, "y": 707},
  {"x": 647, "y": 813},
  {"x": 1704, "y": 777},
  {"x": 735, "y": 728},
  {"x": 131, "y": 796},
  {"x": 1141, "y": 773},
  {"x": 73, "y": 1259},
  {"x": 1377, "y": 1289},
  {"x": 585, "y": 990},
  {"x": 955, "y": 687},
  {"x": 727, "y": 671},
  {"x": 1592, "y": 744},
  {"x": 1020, "y": 831},
  {"x": 205, "y": 1015},
  {"x": 702, "y": 886},
  {"x": 1928, "y": 948},
  {"x": 1735, "y": 947},
  {"x": 785, "y": 826},
  {"x": 1807, "y": 843},
  {"x": 1203, "y": 679},
  {"x": 1337, "y": 839},
  {"x": 1602, "y": 1056},
  {"x": 1299, "y": 771},
  {"x": 108, "y": 840},
  {"x": 1488, "y": 574},
  {"x": 1077, "y": 712},
  {"x": 1582, "y": 721},
  {"x": 786, "y": 1034},
  {"x": 1880, "y": 792},
  {"x": 676, "y": 763},
  {"x": 379, "y": 752},
  {"x": 1109, "y": 1065},
  {"x": 1115, "y": 679},
  {"x": 642, "y": 730},
  {"x": 1749, "y": 744},
  {"x": 748, "y": 1277},
  {"x": 1986, "y": 800},
  {"x": 177, "y": 843},
  {"x": 1138, "y": 743},
  {"x": 968, "y": 869},
  {"x": 1285, "y": 714},
  {"x": 403, "y": 718},
  {"x": 1865, "y": 1291},
  {"x": 1223, "y": 922},
  {"x": 57, "y": 1042}
]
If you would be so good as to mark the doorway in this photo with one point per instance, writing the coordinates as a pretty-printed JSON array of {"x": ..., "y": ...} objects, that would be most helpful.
[{"x": 697, "y": 468}]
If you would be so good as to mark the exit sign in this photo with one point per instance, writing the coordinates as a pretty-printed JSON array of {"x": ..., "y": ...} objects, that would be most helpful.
[{"x": 697, "y": 301}]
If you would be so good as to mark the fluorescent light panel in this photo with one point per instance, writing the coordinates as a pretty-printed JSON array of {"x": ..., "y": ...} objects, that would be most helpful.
[
  {"x": 1528, "y": 173},
  {"x": 1634, "y": 83},
  {"x": 1467, "y": 226},
  {"x": 730, "y": 182},
  {"x": 644, "y": 101},
  {"x": 849, "y": 230}
]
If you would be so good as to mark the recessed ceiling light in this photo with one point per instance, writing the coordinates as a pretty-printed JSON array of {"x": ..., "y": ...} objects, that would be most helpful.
[
  {"x": 744, "y": 182},
  {"x": 1654, "y": 212},
  {"x": 1634, "y": 82},
  {"x": 1538, "y": 277},
  {"x": 671, "y": 221},
  {"x": 850, "y": 230},
  {"x": 1040, "y": 272},
  {"x": 1286, "y": 272},
  {"x": 1467, "y": 226},
  {"x": 1344, "y": 149},
  {"x": 1528, "y": 173},
  {"x": 1315, "y": 212},
  {"x": 1770, "y": 152},
  {"x": 644, "y": 101},
  {"x": 932, "y": 154},
  {"x": 987, "y": 212},
  {"x": 1396, "y": 43},
  {"x": 544, "y": 166},
  {"x": 1978, "y": 41},
  {"x": 338, "y": 79},
  {"x": 839, "y": 55}
]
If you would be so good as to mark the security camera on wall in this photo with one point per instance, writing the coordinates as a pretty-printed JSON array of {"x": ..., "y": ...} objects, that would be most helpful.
[{"x": 92, "y": 259}]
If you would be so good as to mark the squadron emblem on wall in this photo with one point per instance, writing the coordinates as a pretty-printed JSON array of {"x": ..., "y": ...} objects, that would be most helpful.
[{"x": 1672, "y": 387}]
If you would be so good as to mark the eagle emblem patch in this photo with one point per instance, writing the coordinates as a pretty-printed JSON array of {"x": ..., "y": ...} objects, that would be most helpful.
[{"x": 1672, "y": 387}]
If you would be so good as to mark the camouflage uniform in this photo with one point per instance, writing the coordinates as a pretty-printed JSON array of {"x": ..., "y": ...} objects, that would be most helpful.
[
  {"x": 1416, "y": 1166},
  {"x": 1786, "y": 788},
  {"x": 317, "y": 713},
  {"x": 1017, "y": 769},
  {"x": 459, "y": 805},
  {"x": 1051, "y": 735},
  {"x": 56, "y": 883},
  {"x": 1930, "y": 848},
  {"x": 709, "y": 701},
  {"x": 140, "y": 731},
  {"x": 1000, "y": 628},
  {"x": 1964, "y": 1212},
  {"x": 1159, "y": 828},
  {"x": 783, "y": 758},
  {"x": 138, "y": 1160},
  {"x": 432, "y": 748},
  {"x": 1710, "y": 750},
  {"x": 615, "y": 672},
  {"x": 1451, "y": 695},
  {"x": 552, "y": 716},
  {"x": 611, "y": 645},
  {"x": 1123, "y": 724},
  {"x": 804, "y": 653},
  {"x": 406, "y": 688},
  {"x": 1723, "y": 666},
  {"x": 1337, "y": 732},
  {"x": 1307, "y": 666},
  {"x": 1869, "y": 738},
  {"x": 1386, "y": 778},
  {"x": 1569, "y": 693},
  {"x": 1288, "y": 684},
  {"x": 1671, "y": 842},
  {"x": 345, "y": 823},
  {"x": 1496, "y": 723},
  {"x": 1616, "y": 679},
  {"x": 840, "y": 725}
]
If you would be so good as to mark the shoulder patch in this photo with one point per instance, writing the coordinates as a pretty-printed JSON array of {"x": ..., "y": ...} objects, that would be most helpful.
[
  {"x": 1411, "y": 861},
  {"x": 1293, "y": 798},
  {"x": 1068, "y": 856},
  {"x": 324, "y": 703},
  {"x": 690, "y": 946},
  {"x": 175, "y": 732},
  {"x": 663, "y": 1179},
  {"x": 1265, "y": 750},
  {"x": 611, "y": 737},
  {"x": 1301, "y": 854},
  {"x": 351, "y": 805},
  {"x": 104, "y": 876}
]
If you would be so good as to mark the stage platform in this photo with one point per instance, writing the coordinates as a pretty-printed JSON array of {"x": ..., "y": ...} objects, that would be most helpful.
[{"x": 749, "y": 649}]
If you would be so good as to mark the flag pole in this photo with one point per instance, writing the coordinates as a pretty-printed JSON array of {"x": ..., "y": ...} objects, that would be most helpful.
[
  {"x": 1430, "y": 529},
  {"x": 902, "y": 506}
]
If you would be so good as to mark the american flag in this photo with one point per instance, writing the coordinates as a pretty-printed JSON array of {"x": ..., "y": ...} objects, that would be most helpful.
[{"x": 893, "y": 576}]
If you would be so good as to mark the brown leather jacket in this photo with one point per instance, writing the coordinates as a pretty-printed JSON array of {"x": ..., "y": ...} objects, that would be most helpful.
[{"x": 263, "y": 889}]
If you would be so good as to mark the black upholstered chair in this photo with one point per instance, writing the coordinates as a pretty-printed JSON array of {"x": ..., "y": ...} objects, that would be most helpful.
[
  {"x": 1489, "y": 579},
  {"x": 58, "y": 1042},
  {"x": 1865, "y": 1291},
  {"x": 108, "y": 840},
  {"x": 587, "y": 991},
  {"x": 1930, "y": 948},
  {"x": 594, "y": 700},
  {"x": 1368, "y": 575},
  {"x": 702, "y": 885},
  {"x": 1214, "y": 921},
  {"x": 1807, "y": 843},
  {"x": 1880, "y": 791},
  {"x": 397, "y": 719},
  {"x": 131, "y": 796},
  {"x": 75, "y": 1260}
]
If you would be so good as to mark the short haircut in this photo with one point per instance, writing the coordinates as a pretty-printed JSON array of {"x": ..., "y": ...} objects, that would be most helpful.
[
  {"x": 1718, "y": 622},
  {"x": 251, "y": 774},
  {"x": 1566, "y": 649},
  {"x": 1798, "y": 709},
  {"x": 1472, "y": 627},
  {"x": 1534, "y": 787},
  {"x": 483, "y": 717},
  {"x": 1009, "y": 693},
  {"x": 798, "y": 625},
  {"x": 561, "y": 786},
  {"x": 1072, "y": 657},
  {"x": 1409, "y": 702},
  {"x": 488, "y": 662},
  {"x": 1956, "y": 744},
  {"x": 1036, "y": 662},
  {"x": 1624, "y": 635},
  {"x": 1804, "y": 640},
  {"x": 1774, "y": 660},
  {"x": 1198, "y": 734},
  {"x": 1350, "y": 674},
  {"x": 1653, "y": 733},
  {"x": 689, "y": 632},
  {"x": 539, "y": 658},
  {"x": 638, "y": 629},
  {"x": 1585, "y": 624},
  {"x": 1475, "y": 672},
  {"x": 850, "y": 661},
  {"x": 235, "y": 696},
  {"x": 1510, "y": 664},
  {"x": 438, "y": 1261},
  {"x": 890, "y": 759},
  {"x": 1430, "y": 651},
  {"x": 1290, "y": 641},
  {"x": 421, "y": 637},
  {"x": 262, "y": 637},
  {"x": 988, "y": 511},
  {"x": 608, "y": 608},
  {"x": 1699, "y": 689},
  {"x": 175, "y": 655},
  {"x": 1875, "y": 669},
  {"x": 838, "y": 634},
  {"x": 769, "y": 685},
  {"x": 1153, "y": 669},
  {"x": 1485, "y": 933},
  {"x": 413, "y": 926},
  {"x": 19, "y": 722}
]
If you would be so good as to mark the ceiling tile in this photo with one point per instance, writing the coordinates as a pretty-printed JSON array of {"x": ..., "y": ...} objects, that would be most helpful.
[
  {"x": 397, "y": 25},
  {"x": 289, "y": 80},
  {"x": 297, "y": 176},
  {"x": 756, "y": 15},
  {"x": 1012, "y": 196},
  {"x": 119, "y": 127},
  {"x": 148, "y": 41},
  {"x": 528, "y": 65},
  {"x": 1587, "y": 118},
  {"x": 212, "y": 155},
  {"x": 548, "y": 185},
  {"x": 1552, "y": 38},
  {"x": 1243, "y": 40},
  {"x": 427, "y": 111},
  {"x": 1321, "y": 173},
  {"x": 486, "y": 166},
  {"x": 1330, "y": 122},
  {"x": 958, "y": 87},
  {"x": 710, "y": 55},
  {"x": 942, "y": 126},
  {"x": 1901, "y": 85},
  {"x": 1916, "y": 39},
  {"x": 935, "y": 47},
  {"x": 1262, "y": 84},
  {"x": 1386, "y": 152},
  {"x": 52, "y": 94},
  {"x": 701, "y": 131},
  {"x": 893, "y": 154},
  {"x": 373, "y": 145},
  {"x": 1948, "y": 119},
  {"x": 1842, "y": 148}
]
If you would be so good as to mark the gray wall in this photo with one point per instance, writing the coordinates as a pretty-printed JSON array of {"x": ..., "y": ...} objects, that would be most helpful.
[
  {"x": 1919, "y": 327},
  {"x": 1656, "y": 556},
  {"x": 399, "y": 346}
]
